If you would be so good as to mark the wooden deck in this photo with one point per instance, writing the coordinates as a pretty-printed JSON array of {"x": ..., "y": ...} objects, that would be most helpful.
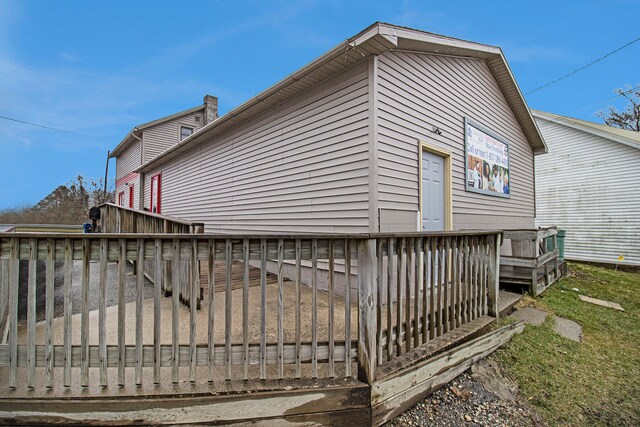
[{"x": 261, "y": 347}]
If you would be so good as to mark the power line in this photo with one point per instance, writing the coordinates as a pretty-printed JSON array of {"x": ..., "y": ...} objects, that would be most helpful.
[
  {"x": 596, "y": 104},
  {"x": 583, "y": 67},
  {"x": 43, "y": 126}
]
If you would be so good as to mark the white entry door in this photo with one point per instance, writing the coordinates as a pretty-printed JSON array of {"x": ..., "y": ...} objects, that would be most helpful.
[{"x": 433, "y": 192}]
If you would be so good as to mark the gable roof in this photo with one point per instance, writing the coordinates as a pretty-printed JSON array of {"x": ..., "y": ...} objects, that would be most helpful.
[
  {"x": 374, "y": 40},
  {"x": 626, "y": 137},
  {"x": 130, "y": 137}
]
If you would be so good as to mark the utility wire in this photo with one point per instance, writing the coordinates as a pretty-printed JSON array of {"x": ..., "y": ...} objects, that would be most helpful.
[
  {"x": 44, "y": 127},
  {"x": 597, "y": 104},
  {"x": 583, "y": 67}
]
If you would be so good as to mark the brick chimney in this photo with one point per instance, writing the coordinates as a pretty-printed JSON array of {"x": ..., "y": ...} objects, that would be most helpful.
[{"x": 210, "y": 109}]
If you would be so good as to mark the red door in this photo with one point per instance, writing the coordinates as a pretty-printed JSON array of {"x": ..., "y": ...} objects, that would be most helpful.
[{"x": 131, "y": 196}]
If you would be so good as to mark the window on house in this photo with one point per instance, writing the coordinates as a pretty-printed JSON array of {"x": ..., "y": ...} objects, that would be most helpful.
[
  {"x": 185, "y": 131},
  {"x": 121, "y": 198}
]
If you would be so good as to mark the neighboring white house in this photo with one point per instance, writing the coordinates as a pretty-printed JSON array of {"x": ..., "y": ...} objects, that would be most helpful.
[
  {"x": 395, "y": 129},
  {"x": 589, "y": 185}
]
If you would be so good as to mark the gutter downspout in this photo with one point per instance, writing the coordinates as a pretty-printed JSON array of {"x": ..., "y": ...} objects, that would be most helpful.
[{"x": 141, "y": 180}]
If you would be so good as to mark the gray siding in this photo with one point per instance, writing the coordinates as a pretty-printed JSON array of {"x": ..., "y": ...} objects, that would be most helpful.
[
  {"x": 588, "y": 185},
  {"x": 126, "y": 163},
  {"x": 159, "y": 138},
  {"x": 419, "y": 91},
  {"x": 300, "y": 167},
  {"x": 129, "y": 160}
]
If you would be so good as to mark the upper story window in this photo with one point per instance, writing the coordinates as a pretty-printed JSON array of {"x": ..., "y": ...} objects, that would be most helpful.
[{"x": 185, "y": 131}]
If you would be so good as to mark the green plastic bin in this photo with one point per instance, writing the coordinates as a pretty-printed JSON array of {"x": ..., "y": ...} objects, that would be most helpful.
[{"x": 560, "y": 239}]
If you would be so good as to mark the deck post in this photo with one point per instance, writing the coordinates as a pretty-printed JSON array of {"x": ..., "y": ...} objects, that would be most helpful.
[
  {"x": 493, "y": 282},
  {"x": 367, "y": 303}
]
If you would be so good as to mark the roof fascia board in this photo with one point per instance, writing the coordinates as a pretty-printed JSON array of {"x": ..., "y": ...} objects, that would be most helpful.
[
  {"x": 503, "y": 62},
  {"x": 602, "y": 134},
  {"x": 388, "y": 35},
  {"x": 361, "y": 38},
  {"x": 128, "y": 139},
  {"x": 167, "y": 118}
]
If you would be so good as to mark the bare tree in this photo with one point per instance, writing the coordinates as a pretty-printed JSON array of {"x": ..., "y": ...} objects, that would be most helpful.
[
  {"x": 629, "y": 119},
  {"x": 67, "y": 204}
]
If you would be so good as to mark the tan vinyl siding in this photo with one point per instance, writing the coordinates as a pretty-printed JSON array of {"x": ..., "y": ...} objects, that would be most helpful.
[
  {"x": 586, "y": 185},
  {"x": 420, "y": 91},
  {"x": 126, "y": 163},
  {"x": 129, "y": 160},
  {"x": 300, "y": 167},
  {"x": 165, "y": 135}
]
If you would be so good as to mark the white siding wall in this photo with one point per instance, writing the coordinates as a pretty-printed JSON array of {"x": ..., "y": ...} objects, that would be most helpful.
[
  {"x": 163, "y": 136},
  {"x": 302, "y": 167},
  {"x": 420, "y": 91},
  {"x": 589, "y": 186},
  {"x": 126, "y": 162}
]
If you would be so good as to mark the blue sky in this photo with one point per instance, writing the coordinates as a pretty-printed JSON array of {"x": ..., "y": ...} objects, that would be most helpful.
[{"x": 99, "y": 68}]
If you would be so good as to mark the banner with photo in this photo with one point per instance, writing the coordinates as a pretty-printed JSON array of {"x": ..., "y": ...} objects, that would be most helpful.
[{"x": 487, "y": 161}]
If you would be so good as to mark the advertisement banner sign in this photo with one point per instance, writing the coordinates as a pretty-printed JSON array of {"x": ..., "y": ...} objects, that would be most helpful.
[{"x": 486, "y": 160}]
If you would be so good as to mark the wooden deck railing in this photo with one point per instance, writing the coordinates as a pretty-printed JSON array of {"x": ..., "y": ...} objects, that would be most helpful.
[
  {"x": 411, "y": 288},
  {"x": 120, "y": 219},
  {"x": 429, "y": 285},
  {"x": 534, "y": 262}
]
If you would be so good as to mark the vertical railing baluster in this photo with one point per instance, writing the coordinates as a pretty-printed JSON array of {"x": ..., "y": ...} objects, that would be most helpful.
[
  {"x": 416, "y": 291},
  {"x": 408, "y": 271},
  {"x": 245, "y": 308},
  {"x": 476, "y": 287},
  {"x": 314, "y": 308},
  {"x": 347, "y": 308},
  {"x": 446, "y": 284},
  {"x": 486, "y": 275},
  {"x": 280, "y": 314},
  {"x": 453, "y": 258},
  {"x": 263, "y": 309},
  {"x": 467, "y": 282},
  {"x": 157, "y": 294},
  {"x": 122, "y": 265},
  {"x": 399, "y": 299},
  {"x": 49, "y": 298},
  {"x": 102, "y": 311},
  {"x": 493, "y": 276},
  {"x": 31, "y": 313},
  {"x": 425, "y": 289},
  {"x": 84, "y": 317},
  {"x": 193, "y": 306},
  {"x": 440, "y": 280},
  {"x": 228, "y": 300},
  {"x": 432, "y": 290},
  {"x": 390, "y": 280},
  {"x": 470, "y": 281},
  {"x": 68, "y": 309},
  {"x": 332, "y": 372},
  {"x": 14, "y": 280},
  {"x": 379, "y": 292},
  {"x": 175, "y": 312},
  {"x": 139, "y": 314},
  {"x": 298, "y": 307},
  {"x": 211, "y": 261}
]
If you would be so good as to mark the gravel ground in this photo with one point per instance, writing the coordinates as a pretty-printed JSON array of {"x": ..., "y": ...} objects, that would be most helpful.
[
  {"x": 76, "y": 290},
  {"x": 466, "y": 401}
]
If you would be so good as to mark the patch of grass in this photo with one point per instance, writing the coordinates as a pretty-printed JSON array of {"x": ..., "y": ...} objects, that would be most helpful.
[{"x": 593, "y": 383}]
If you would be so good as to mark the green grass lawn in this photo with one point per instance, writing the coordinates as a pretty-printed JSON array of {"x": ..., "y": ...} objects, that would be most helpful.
[{"x": 596, "y": 382}]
